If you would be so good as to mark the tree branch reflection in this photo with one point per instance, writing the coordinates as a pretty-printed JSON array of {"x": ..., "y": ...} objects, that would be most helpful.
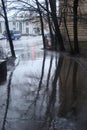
[
  {"x": 8, "y": 96},
  {"x": 49, "y": 115}
]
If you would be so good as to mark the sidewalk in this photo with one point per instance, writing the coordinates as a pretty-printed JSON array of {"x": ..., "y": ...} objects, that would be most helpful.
[{"x": 34, "y": 95}]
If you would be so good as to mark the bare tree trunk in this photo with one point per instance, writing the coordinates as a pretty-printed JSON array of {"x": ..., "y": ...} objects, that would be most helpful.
[
  {"x": 42, "y": 26},
  {"x": 8, "y": 31},
  {"x": 75, "y": 26},
  {"x": 59, "y": 40},
  {"x": 65, "y": 24},
  {"x": 50, "y": 26}
]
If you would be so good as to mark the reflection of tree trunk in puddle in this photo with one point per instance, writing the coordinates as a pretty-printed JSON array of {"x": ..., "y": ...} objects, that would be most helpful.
[
  {"x": 12, "y": 62},
  {"x": 7, "y": 101},
  {"x": 63, "y": 89},
  {"x": 68, "y": 86},
  {"x": 52, "y": 99},
  {"x": 74, "y": 89},
  {"x": 34, "y": 103},
  {"x": 49, "y": 73},
  {"x": 47, "y": 84},
  {"x": 42, "y": 74},
  {"x": 40, "y": 86}
]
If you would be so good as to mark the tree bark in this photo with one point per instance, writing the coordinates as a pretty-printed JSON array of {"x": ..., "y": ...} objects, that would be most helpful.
[
  {"x": 42, "y": 25},
  {"x": 50, "y": 27},
  {"x": 75, "y": 26},
  {"x": 7, "y": 29},
  {"x": 59, "y": 40}
]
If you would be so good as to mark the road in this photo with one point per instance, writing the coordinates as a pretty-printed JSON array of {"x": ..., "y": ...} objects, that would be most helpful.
[
  {"x": 22, "y": 45},
  {"x": 43, "y": 90}
]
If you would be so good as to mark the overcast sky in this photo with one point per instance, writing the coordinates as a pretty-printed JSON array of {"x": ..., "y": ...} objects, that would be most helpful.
[{"x": 12, "y": 12}]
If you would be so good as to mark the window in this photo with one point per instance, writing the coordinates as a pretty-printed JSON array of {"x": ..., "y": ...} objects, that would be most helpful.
[
  {"x": 17, "y": 24},
  {"x": 36, "y": 30},
  {"x": 27, "y": 30},
  {"x": 27, "y": 23},
  {"x": 14, "y": 28},
  {"x": 14, "y": 23}
]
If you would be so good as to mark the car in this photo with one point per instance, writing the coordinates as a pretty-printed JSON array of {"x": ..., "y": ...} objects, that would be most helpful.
[
  {"x": 47, "y": 40},
  {"x": 1, "y": 37},
  {"x": 14, "y": 34}
]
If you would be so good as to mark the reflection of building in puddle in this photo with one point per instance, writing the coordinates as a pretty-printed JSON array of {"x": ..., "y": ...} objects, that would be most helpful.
[
  {"x": 35, "y": 54},
  {"x": 25, "y": 56},
  {"x": 32, "y": 55},
  {"x": 73, "y": 91}
]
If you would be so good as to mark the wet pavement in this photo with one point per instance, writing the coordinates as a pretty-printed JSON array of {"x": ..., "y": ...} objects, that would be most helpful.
[{"x": 44, "y": 91}]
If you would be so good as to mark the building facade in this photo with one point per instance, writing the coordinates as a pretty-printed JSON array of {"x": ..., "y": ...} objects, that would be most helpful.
[
  {"x": 66, "y": 8},
  {"x": 25, "y": 25}
]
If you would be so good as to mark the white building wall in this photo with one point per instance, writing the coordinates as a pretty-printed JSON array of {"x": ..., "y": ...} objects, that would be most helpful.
[
  {"x": 2, "y": 25},
  {"x": 10, "y": 25},
  {"x": 23, "y": 31},
  {"x": 31, "y": 29},
  {"x": 19, "y": 24},
  {"x": 23, "y": 28}
]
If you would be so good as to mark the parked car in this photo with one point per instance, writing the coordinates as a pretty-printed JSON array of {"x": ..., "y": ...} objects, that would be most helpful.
[
  {"x": 47, "y": 39},
  {"x": 1, "y": 37},
  {"x": 14, "y": 34}
]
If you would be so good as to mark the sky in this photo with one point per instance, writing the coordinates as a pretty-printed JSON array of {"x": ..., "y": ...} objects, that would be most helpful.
[{"x": 12, "y": 12}]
